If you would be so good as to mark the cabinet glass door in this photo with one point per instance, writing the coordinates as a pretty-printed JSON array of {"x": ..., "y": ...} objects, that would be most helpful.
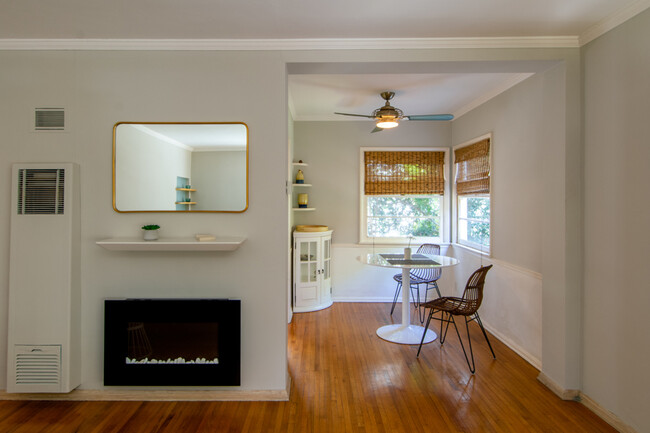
[
  {"x": 327, "y": 256},
  {"x": 308, "y": 262}
]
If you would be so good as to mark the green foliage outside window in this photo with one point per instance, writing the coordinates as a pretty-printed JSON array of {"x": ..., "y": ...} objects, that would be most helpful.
[
  {"x": 475, "y": 219},
  {"x": 403, "y": 216}
]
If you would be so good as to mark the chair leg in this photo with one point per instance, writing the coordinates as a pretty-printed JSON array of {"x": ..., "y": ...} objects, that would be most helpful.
[
  {"x": 443, "y": 336},
  {"x": 416, "y": 301},
  {"x": 415, "y": 295},
  {"x": 480, "y": 324},
  {"x": 426, "y": 292},
  {"x": 472, "y": 366},
  {"x": 435, "y": 286},
  {"x": 425, "y": 331},
  {"x": 397, "y": 290}
]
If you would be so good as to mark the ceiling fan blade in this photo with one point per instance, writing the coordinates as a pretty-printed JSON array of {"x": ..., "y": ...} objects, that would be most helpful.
[
  {"x": 377, "y": 129},
  {"x": 431, "y": 117},
  {"x": 356, "y": 115}
]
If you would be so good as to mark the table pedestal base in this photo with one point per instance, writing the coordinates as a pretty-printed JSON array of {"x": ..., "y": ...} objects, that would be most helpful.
[{"x": 405, "y": 334}]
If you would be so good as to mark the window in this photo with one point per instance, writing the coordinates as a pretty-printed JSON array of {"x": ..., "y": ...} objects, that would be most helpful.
[
  {"x": 472, "y": 167},
  {"x": 402, "y": 195}
]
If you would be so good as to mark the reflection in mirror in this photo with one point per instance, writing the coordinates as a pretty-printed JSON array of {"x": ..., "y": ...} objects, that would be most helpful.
[{"x": 185, "y": 167}]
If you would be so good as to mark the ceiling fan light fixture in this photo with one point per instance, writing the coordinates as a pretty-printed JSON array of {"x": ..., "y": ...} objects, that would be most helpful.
[
  {"x": 387, "y": 117},
  {"x": 387, "y": 123}
]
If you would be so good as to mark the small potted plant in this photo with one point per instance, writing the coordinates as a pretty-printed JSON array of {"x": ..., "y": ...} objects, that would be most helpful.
[{"x": 150, "y": 232}]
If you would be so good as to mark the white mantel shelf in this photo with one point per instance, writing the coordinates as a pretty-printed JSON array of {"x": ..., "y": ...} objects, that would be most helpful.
[{"x": 222, "y": 243}]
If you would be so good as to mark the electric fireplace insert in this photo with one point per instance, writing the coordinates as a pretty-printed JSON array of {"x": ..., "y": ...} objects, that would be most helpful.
[{"x": 172, "y": 342}]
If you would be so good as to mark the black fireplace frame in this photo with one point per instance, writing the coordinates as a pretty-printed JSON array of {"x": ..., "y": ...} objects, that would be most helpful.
[{"x": 119, "y": 312}]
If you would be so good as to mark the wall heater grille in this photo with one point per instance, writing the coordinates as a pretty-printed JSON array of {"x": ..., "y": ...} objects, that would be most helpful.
[
  {"x": 44, "y": 300},
  {"x": 38, "y": 365},
  {"x": 41, "y": 191}
]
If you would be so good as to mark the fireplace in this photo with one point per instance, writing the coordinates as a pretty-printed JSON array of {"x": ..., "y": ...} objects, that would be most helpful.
[{"x": 172, "y": 342}]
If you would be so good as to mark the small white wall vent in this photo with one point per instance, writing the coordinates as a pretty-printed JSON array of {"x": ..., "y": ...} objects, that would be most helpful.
[
  {"x": 49, "y": 119},
  {"x": 41, "y": 191},
  {"x": 38, "y": 366}
]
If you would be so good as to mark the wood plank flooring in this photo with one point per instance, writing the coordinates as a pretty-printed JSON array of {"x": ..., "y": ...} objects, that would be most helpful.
[{"x": 346, "y": 379}]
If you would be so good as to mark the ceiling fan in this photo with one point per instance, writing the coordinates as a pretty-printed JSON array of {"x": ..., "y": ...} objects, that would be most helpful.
[{"x": 389, "y": 116}]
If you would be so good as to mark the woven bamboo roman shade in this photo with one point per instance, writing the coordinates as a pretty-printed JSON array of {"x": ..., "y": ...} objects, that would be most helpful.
[
  {"x": 404, "y": 172},
  {"x": 473, "y": 168}
]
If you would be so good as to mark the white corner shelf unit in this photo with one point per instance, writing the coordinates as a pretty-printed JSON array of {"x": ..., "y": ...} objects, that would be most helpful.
[
  {"x": 312, "y": 276},
  {"x": 221, "y": 243},
  {"x": 186, "y": 194},
  {"x": 300, "y": 185}
]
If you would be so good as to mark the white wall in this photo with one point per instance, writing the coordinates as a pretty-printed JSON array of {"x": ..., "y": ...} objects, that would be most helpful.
[
  {"x": 515, "y": 119},
  {"x": 513, "y": 294},
  {"x": 99, "y": 89},
  {"x": 616, "y": 208},
  {"x": 219, "y": 179},
  {"x": 146, "y": 173}
]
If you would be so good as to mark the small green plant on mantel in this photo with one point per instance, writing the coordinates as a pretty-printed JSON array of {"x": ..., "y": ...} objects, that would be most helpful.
[{"x": 151, "y": 227}]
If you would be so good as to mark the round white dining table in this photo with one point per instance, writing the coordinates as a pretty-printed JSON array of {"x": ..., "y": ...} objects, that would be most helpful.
[{"x": 405, "y": 332}]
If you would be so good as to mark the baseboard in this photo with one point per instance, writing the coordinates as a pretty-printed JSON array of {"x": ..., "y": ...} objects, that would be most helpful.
[
  {"x": 363, "y": 299},
  {"x": 564, "y": 394},
  {"x": 155, "y": 395},
  {"x": 532, "y": 360},
  {"x": 606, "y": 415}
]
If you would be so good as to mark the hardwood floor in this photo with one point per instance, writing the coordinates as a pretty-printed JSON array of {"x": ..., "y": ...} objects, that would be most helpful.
[{"x": 346, "y": 379}]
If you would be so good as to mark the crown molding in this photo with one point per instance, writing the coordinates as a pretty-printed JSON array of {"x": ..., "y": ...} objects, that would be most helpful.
[
  {"x": 616, "y": 19},
  {"x": 286, "y": 44}
]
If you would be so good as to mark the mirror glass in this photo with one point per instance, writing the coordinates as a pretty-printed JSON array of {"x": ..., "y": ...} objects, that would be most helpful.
[{"x": 180, "y": 167}]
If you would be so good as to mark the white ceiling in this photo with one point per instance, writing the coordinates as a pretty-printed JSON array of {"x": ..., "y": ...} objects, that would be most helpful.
[
  {"x": 315, "y": 96},
  {"x": 202, "y": 137}
]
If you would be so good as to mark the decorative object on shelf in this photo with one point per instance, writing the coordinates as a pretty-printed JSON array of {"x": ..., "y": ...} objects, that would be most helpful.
[
  {"x": 299, "y": 182},
  {"x": 150, "y": 232},
  {"x": 205, "y": 237},
  {"x": 188, "y": 186},
  {"x": 303, "y": 199}
]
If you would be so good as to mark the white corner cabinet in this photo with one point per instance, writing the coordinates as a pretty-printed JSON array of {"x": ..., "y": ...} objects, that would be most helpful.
[{"x": 312, "y": 276}]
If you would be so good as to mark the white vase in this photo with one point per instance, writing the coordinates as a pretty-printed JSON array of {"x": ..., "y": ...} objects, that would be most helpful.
[{"x": 150, "y": 235}]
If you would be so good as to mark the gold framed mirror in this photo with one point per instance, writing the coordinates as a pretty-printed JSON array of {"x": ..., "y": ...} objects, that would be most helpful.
[{"x": 180, "y": 167}]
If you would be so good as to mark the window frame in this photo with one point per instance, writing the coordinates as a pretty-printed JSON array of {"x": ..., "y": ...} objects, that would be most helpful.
[
  {"x": 405, "y": 240},
  {"x": 479, "y": 248}
]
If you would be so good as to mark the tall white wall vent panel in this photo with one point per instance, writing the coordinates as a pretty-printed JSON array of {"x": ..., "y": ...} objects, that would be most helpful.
[
  {"x": 44, "y": 279},
  {"x": 49, "y": 119}
]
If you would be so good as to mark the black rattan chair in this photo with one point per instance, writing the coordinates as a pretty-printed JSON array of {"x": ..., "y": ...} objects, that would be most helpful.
[
  {"x": 428, "y": 276},
  {"x": 467, "y": 306}
]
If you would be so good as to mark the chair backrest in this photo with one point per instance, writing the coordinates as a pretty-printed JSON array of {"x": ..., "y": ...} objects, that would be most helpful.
[
  {"x": 428, "y": 274},
  {"x": 473, "y": 294}
]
